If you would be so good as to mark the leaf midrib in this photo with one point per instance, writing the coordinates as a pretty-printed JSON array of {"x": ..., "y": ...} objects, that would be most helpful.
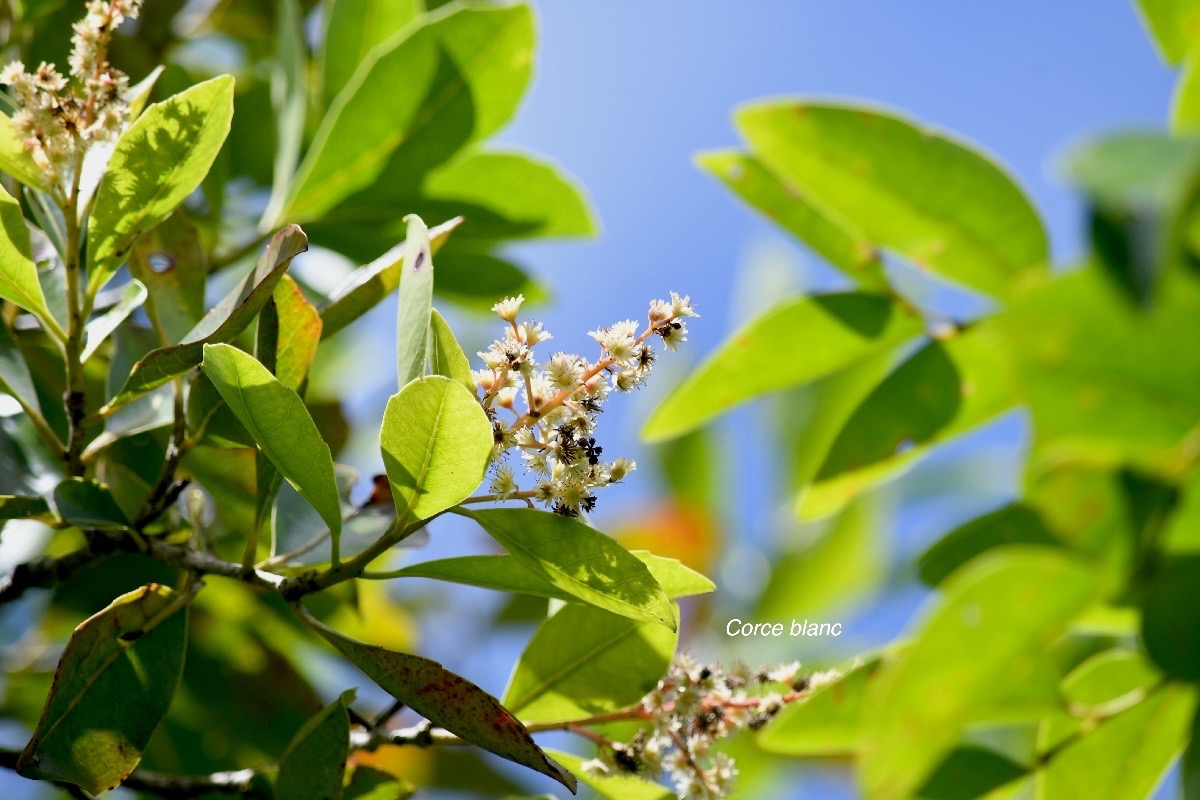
[{"x": 539, "y": 689}]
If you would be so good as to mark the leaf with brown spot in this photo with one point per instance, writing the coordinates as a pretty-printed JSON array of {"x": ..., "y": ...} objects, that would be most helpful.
[
  {"x": 113, "y": 685},
  {"x": 448, "y": 701}
]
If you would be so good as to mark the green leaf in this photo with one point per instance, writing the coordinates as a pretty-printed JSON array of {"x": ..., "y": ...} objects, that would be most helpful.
[
  {"x": 113, "y": 685},
  {"x": 223, "y": 323},
  {"x": 945, "y": 388},
  {"x": 15, "y": 379},
  {"x": 1171, "y": 618},
  {"x": 157, "y": 163},
  {"x": 355, "y": 27},
  {"x": 366, "y": 287},
  {"x": 991, "y": 628},
  {"x": 171, "y": 264},
  {"x": 1185, "y": 102},
  {"x": 829, "y": 723},
  {"x": 289, "y": 100},
  {"x": 971, "y": 772},
  {"x": 17, "y": 507},
  {"x": 501, "y": 195},
  {"x": 298, "y": 336},
  {"x": 1103, "y": 381},
  {"x": 1107, "y": 677},
  {"x": 315, "y": 762},
  {"x": 1142, "y": 188},
  {"x": 436, "y": 443},
  {"x": 579, "y": 560},
  {"x": 281, "y": 426},
  {"x": 16, "y": 160},
  {"x": 89, "y": 505},
  {"x": 416, "y": 302},
  {"x": 368, "y": 783},
  {"x": 18, "y": 274},
  {"x": 1127, "y": 756},
  {"x": 620, "y": 787},
  {"x": 784, "y": 204},
  {"x": 447, "y": 700},
  {"x": 832, "y": 331},
  {"x": 475, "y": 280},
  {"x": 1011, "y": 524},
  {"x": 509, "y": 574},
  {"x": 446, "y": 356},
  {"x": 139, "y": 93},
  {"x": 426, "y": 92},
  {"x": 102, "y": 326},
  {"x": 583, "y": 661},
  {"x": 931, "y": 199},
  {"x": 1174, "y": 25}
]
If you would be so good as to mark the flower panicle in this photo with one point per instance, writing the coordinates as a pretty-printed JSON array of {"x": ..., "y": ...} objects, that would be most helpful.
[
  {"x": 59, "y": 118},
  {"x": 690, "y": 711},
  {"x": 555, "y": 404}
]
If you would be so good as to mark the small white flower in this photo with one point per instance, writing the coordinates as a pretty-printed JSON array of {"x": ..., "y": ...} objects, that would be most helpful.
[
  {"x": 682, "y": 306},
  {"x": 504, "y": 483},
  {"x": 508, "y": 307},
  {"x": 619, "y": 468}
]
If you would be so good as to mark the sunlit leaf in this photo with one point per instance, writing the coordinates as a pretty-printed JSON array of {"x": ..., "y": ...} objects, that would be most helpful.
[
  {"x": 584, "y": 661},
  {"x": 416, "y": 303},
  {"x": 1126, "y": 756},
  {"x": 969, "y": 648},
  {"x": 102, "y": 326},
  {"x": 579, "y": 560},
  {"x": 446, "y": 356},
  {"x": 1173, "y": 24},
  {"x": 930, "y": 198},
  {"x": 299, "y": 333},
  {"x": 828, "y": 723},
  {"x": 943, "y": 389},
  {"x": 1107, "y": 677},
  {"x": 281, "y": 426},
  {"x": 223, "y": 323},
  {"x": 366, "y": 287},
  {"x": 821, "y": 334},
  {"x": 501, "y": 195},
  {"x": 15, "y": 158},
  {"x": 617, "y": 787},
  {"x": 113, "y": 685},
  {"x": 315, "y": 762},
  {"x": 289, "y": 99},
  {"x": 354, "y": 28},
  {"x": 787, "y": 206},
  {"x": 436, "y": 443},
  {"x": 367, "y": 783},
  {"x": 509, "y": 574},
  {"x": 447, "y": 700},
  {"x": 1102, "y": 380},
  {"x": 426, "y": 92},
  {"x": 15, "y": 379},
  {"x": 157, "y": 163},
  {"x": 18, "y": 274}
]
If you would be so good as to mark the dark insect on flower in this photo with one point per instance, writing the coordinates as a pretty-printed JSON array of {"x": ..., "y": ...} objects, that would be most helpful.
[
  {"x": 591, "y": 405},
  {"x": 626, "y": 759},
  {"x": 667, "y": 329},
  {"x": 497, "y": 433},
  {"x": 800, "y": 683},
  {"x": 758, "y": 721},
  {"x": 589, "y": 502},
  {"x": 562, "y": 509},
  {"x": 706, "y": 673}
]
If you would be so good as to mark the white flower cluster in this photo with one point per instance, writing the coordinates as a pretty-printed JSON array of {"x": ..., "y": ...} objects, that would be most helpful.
[
  {"x": 690, "y": 711},
  {"x": 555, "y": 429},
  {"x": 57, "y": 123}
]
